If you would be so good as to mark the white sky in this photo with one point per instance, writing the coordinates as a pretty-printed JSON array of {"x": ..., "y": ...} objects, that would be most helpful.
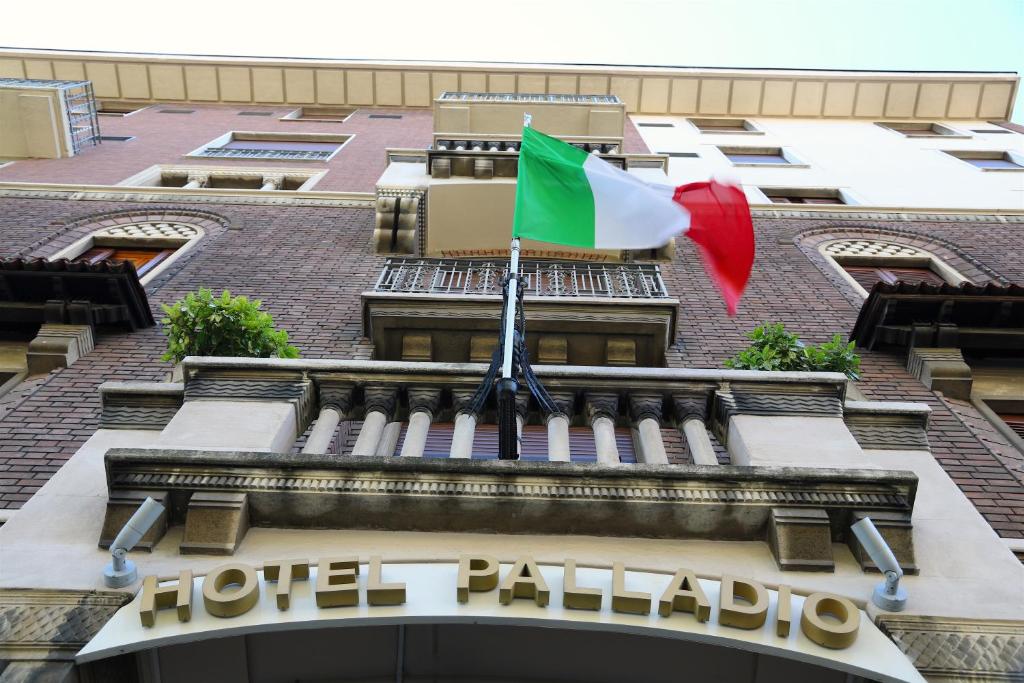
[{"x": 925, "y": 35}]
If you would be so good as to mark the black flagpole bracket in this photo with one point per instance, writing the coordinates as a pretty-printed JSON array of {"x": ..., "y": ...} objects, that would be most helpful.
[{"x": 506, "y": 389}]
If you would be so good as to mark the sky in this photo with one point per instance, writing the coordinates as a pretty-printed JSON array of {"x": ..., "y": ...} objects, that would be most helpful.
[{"x": 902, "y": 35}]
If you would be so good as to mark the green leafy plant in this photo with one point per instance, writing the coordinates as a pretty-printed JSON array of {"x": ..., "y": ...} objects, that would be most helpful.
[
  {"x": 204, "y": 325},
  {"x": 773, "y": 348}
]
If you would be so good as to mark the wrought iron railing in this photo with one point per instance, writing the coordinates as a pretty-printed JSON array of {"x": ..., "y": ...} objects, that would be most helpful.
[
  {"x": 240, "y": 153},
  {"x": 541, "y": 278},
  {"x": 559, "y": 98}
]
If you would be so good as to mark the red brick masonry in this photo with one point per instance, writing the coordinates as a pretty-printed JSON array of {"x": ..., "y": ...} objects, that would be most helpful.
[{"x": 310, "y": 264}]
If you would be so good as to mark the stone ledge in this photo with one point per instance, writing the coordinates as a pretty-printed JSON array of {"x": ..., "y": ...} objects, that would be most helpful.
[
  {"x": 656, "y": 501},
  {"x": 888, "y": 425},
  {"x": 52, "y": 624}
]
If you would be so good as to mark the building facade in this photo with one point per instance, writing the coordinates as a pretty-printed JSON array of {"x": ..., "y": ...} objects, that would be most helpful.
[{"x": 344, "y": 516}]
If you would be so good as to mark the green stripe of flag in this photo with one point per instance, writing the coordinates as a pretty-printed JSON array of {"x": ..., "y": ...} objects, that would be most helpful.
[{"x": 554, "y": 200}]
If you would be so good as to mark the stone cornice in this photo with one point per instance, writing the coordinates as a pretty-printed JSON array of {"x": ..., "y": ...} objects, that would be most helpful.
[
  {"x": 689, "y": 501},
  {"x": 116, "y": 193}
]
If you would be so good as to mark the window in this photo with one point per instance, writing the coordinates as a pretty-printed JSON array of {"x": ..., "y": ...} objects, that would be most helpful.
[
  {"x": 236, "y": 178},
  {"x": 384, "y": 116},
  {"x": 648, "y": 124},
  {"x": 176, "y": 111},
  {"x": 990, "y": 160},
  {"x": 107, "y": 108},
  {"x": 144, "y": 258},
  {"x": 681, "y": 155},
  {"x": 116, "y": 138},
  {"x": 255, "y": 113},
  {"x": 761, "y": 156},
  {"x": 921, "y": 129},
  {"x": 867, "y": 276},
  {"x": 992, "y": 131},
  {"x": 150, "y": 246},
  {"x": 719, "y": 126},
  {"x": 778, "y": 195},
  {"x": 296, "y": 147},
  {"x": 863, "y": 262},
  {"x": 328, "y": 114}
]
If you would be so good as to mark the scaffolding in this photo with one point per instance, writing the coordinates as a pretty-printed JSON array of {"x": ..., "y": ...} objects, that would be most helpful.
[{"x": 79, "y": 105}]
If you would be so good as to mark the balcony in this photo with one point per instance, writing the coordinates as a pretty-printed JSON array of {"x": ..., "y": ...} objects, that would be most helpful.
[
  {"x": 448, "y": 310},
  {"x": 224, "y": 456}
]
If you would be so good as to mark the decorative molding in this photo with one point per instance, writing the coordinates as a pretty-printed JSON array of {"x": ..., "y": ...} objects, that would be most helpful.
[
  {"x": 601, "y": 405},
  {"x": 381, "y": 399},
  {"x": 951, "y": 649},
  {"x": 667, "y": 501},
  {"x": 423, "y": 400},
  {"x": 52, "y": 624},
  {"x": 886, "y": 214},
  {"x": 284, "y": 387},
  {"x": 115, "y": 193},
  {"x": 644, "y": 406},
  {"x": 687, "y": 406},
  {"x": 139, "y": 405}
]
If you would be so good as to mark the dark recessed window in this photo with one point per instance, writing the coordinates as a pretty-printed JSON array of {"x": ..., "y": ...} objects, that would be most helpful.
[
  {"x": 802, "y": 196},
  {"x": 144, "y": 258},
  {"x": 918, "y": 129},
  {"x": 681, "y": 155},
  {"x": 990, "y": 160},
  {"x": 255, "y": 113},
  {"x": 656, "y": 125},
  {"x": 992, "y": 131},
  {"x": 723, "y": 126},
  {"x": 328, "y": 114},
  {"x": 867, "y": 276},
  {"x": 116, "y": 138},
  {"x": 756, "y": 156},
  {"x": 384, "y": 116},
  {"x": 176, "y": 111},
  {"x": 255, "y": 145}
]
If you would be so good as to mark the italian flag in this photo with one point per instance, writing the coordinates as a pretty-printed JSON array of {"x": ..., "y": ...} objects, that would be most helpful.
[{"x": 566, "y": 196}]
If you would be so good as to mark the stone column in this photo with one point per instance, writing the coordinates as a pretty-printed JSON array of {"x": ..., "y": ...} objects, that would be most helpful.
[
  {"x": 380, "y": 406},
  {"x": 558, "y": 428},
  {"x": 196, "y": 181},
  {"x": 422, "y": 406},
  {"x": 465, "y": 425},
  {"x": 602, "y": 410},
  {"x": 645, "y": 409},
  {"x": 272, "y": 182},
  {"x": 324, "y": 429},
  {"x": 691, "y": 412}
]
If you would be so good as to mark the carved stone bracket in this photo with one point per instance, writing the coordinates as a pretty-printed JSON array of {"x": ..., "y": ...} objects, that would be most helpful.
[
  {"x": 216, "y": 523},
  {"x": 601, "y": 405},
  {"x": 380, "y": 399},
  {"x": 690, "y": 406},
  {"x": 942, "y": 369},
  {"x": 644, "y": 406},
  {"x": 423, "y": 400},
  {"x": 336, "y": 395},
  {"x": 801, "y": 539},
  {"x": 887, "y": 426}
]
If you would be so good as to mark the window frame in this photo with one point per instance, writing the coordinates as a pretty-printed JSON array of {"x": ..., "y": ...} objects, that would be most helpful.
[
  {"x": 991, "y": 408},
  {"x": 846, "y": 197},
  {"x": 935, "y": 130},
  {"x": 181, "y": 246},
  {"x": 791, "y": 158},
  {"x": 923, "y": 259},
  {"x": 154, "y": 176},
  {"x": 965, "y": 155},
  {"x": 342, "y": 139},
  {"x": 297, "y": 114},
  {"x": 748, "y": 127}
]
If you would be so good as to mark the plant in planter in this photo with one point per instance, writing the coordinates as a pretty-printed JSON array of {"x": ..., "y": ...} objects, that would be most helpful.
[
  {"x": 204, "y": 325},
  {"x": 773, "y": 348}
]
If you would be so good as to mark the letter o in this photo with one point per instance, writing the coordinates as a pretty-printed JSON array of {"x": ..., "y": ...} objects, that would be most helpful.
[
  {"x": 221, "y": 604},
  {"x": 828, "y": 633}
]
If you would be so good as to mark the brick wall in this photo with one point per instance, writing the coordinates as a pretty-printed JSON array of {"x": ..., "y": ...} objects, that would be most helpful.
[
  {"x": 167, "y": 138},
  {"x": 310, "y": 264}
]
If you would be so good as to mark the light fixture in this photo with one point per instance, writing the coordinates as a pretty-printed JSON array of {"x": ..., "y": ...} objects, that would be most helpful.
[
  {"x": 888, "y": 595},
  {"x": 121, "y": 571}
]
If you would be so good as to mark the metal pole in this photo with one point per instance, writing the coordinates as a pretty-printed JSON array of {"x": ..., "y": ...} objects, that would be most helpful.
[{"x": 510, "y": 311}]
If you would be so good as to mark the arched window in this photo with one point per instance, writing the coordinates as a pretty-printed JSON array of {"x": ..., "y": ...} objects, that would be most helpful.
[
  {"x": 150, "y": 245},
  {"x": 863, "y": 262}
]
